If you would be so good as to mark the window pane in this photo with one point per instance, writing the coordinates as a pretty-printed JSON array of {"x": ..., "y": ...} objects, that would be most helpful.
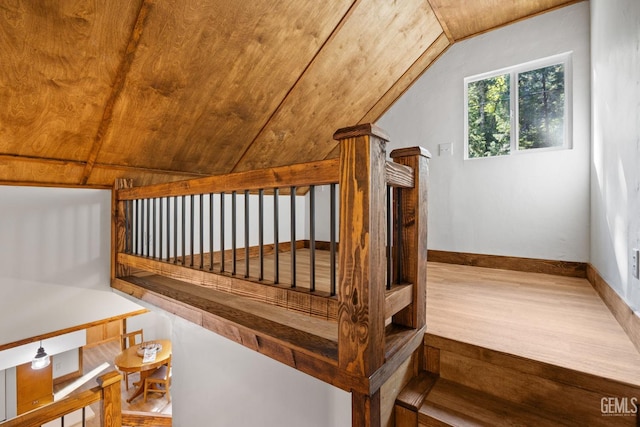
[
  {"x": 489, "y": 123},
  {"x": 541, "y": 107}
]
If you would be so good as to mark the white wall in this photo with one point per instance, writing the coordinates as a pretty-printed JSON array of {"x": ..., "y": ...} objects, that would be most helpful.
[
  {"x": 531, "y": 205},
  {"x": 55, "y": 235},
  {"x": 615, "y": 170},
  {"x": 3, "y": 408},
  {"x": 219, "y": 382}
]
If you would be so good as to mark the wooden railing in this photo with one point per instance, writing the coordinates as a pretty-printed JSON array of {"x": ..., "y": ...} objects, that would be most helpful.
[
  {"x": 377, "y": 304},
  {"x": 107, "y": 392}
]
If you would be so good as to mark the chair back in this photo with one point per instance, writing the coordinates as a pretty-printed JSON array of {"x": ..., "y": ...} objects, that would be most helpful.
[{"x": 131, "y": 338}]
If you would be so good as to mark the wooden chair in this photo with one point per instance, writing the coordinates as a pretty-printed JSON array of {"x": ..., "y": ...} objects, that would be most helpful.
[
  {"x": 159, "y": 381},
  {"x": 127, "y": 340}
]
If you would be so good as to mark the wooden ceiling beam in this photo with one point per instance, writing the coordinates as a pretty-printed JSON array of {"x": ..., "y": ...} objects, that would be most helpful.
[
  {"x": 442, "y": 21},
  {"x": 116, "y": 89}
]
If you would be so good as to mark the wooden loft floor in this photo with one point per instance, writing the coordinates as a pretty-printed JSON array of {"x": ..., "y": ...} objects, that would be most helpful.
[{"x": 553, "y": 319}]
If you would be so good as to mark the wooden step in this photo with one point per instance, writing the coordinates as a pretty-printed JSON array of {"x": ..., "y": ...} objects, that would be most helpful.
[
  {"x": 476, "y": 383},
  {"x": 453, "y": 359},
  {"x": 452, "y": 404}
]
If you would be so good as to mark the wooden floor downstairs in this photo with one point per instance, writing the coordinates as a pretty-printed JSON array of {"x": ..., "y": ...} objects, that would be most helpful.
[{"x": 98, "y": 360}]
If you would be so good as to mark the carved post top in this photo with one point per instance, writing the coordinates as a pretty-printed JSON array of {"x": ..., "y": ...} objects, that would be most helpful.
[
  {"x": 410, "y": 152},
  {"x": 360, "y": 130}
]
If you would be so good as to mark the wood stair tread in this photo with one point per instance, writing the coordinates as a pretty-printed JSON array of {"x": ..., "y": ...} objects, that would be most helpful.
[{"x": 452, "y": 404}]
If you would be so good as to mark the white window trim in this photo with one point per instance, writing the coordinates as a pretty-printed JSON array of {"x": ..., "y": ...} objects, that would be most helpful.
[{"x": 513, "y": 71}]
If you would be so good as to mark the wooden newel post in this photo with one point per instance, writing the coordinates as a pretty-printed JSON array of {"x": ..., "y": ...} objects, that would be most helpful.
[
  {"x": 118, "y": 228},
  {"x": 411, "y": 211},
  {"x": 111, "y": 399},
  {"x": 362, "y": 269}
]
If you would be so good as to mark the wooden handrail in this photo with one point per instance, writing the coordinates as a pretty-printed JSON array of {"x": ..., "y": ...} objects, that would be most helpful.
[
  {"x": 300, "y": 175},
  {"x": 107, "y": 391},
  {"x": 322, "y": 172},
  {"x": 365, "y": 348}
]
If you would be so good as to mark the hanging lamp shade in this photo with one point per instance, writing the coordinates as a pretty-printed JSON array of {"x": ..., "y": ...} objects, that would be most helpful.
[{"x": 41, "y": 360}]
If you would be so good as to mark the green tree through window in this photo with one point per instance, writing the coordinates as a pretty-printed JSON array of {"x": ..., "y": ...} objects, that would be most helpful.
[
  {"x": 502, "y": 119},
  {"x": 541, "y": 107},
  {"x": 489, "y": 117}
]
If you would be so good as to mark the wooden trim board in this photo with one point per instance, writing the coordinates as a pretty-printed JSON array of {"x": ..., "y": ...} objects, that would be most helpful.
[
  {"x": 625, "y": 316},
  {"x": 531, "y": 265}
]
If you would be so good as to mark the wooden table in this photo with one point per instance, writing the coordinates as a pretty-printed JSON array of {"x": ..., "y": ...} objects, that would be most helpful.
[{"x": 129, "y": 361}]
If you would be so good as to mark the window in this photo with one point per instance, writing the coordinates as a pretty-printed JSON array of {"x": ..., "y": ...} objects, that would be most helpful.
[{"x": 519, "y": 109}]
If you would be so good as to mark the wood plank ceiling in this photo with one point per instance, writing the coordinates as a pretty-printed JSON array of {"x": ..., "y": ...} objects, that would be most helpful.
[{"x": 161, "y": 90}]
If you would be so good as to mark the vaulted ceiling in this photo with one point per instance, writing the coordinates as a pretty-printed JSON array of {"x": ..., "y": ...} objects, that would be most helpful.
[{"x": 161, "y": 90}]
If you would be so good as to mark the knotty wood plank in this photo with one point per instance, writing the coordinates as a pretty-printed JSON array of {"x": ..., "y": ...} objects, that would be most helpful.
[
  {"x": 376, "y": 35},
  {"x": 411, "y": 342},
  {"x": 268, "y": 342},
  {"x": 365, "y": 409},
  {"x": 449, "y": 404},
  {"x": 299, "y": 299},
  {"x": 361, "y": 266},
  {"x": 59, "y": 62},
  {"x": 220, "y": 70},
  {"x": 117, "y": 86},
  {"x": 146, "y": 419},
  {"x": 532, "y": 367},
  {"x": 420, "y": 66},
  {"x": 15, "y": 170},
  {"x": 464, "y": 19},
  {"x": 398, "y": 175},
  {"x": 397, "y": 298},
  {"x": 432, "y": 359},
  {"x": 413, "y": 394},
  {"x": 411, "y": 212},
  {"x": 304, "y": 174},
  {"x": 583, "y": 407},
  {"x": 312, "y": 335},
  {"x": 393, "y": 386},
  {"x": 111, "y": 397}
]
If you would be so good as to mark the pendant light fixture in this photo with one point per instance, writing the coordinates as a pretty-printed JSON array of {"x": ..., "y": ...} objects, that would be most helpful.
[{"x": 41, "y": 360}]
